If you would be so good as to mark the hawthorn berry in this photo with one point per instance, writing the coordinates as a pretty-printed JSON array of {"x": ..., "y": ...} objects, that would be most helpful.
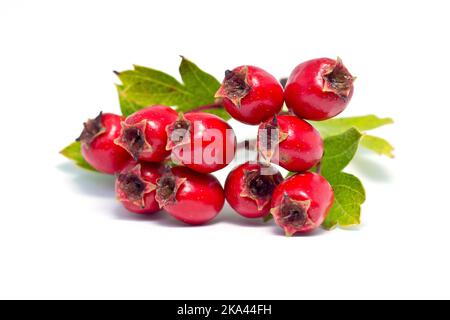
[
  {"x": 249, "y": 188},
  {"x": 319, "y": 89},
  {"x": 201, "y": 141},
  {"x": 290, "y": 142},
  {"x": 98, "y": 147},
  {"x": 250, "y": 94},
  {"x": 136, "y": 187},
  {"x": 189, "y": 196},
  {"x": 301, "y": 203},
  {"x": 144, "y": 133}
]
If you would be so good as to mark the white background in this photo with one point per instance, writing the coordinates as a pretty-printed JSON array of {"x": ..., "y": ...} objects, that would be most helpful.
[{"x": 63, "y": 235}]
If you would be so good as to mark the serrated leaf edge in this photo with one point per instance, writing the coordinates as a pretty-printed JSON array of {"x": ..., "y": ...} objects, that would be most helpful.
[{"x": 194, "y": 73}]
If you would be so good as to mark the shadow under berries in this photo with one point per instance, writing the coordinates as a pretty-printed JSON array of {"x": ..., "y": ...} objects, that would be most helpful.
[
  {"x": 364, "y": 162},
  {"x": 89, "y": 183}
]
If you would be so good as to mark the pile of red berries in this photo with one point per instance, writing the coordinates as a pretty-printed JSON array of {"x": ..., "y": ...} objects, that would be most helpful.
[{"x": 164, "y": 160}]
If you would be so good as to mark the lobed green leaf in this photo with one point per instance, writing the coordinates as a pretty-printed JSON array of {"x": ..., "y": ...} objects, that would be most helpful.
[
  {"x": 339, "y": 151},
  {"x": 145, "y": 87},
  {"x": 126, "y": 104},
  {"x": 349, "y": 195},
  {"x": 338, "y": 125},
  {"x": 378, "y": 145},
  {"x": 73, "y": 152},
  {"x": 198, "y": 82}
]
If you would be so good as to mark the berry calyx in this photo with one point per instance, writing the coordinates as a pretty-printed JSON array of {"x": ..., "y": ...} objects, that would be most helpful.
[
  {"x": 338, "y": 79},
  {"x": 98, "y": 147},
  {"x": 249, "y": 188},
  {"x": 201, "y": 141},
  {"x": 250, "y": 94},
  {"x": 289, "y": 142},
  {"x": 133, "y": 139},
  {"x": 235, "y": 86},
  {"x": 319, "y": 89},
  {"x": 179, "y": 132},
  {"x": 136, "y": 185},
  {"x": 294, "y": 213},
  {"x": 144, "y": 133},
  {"x": 301, "y": 203},
  {"x": 189, "y": 196},
  {"x": 167, "y": 188},
  {"x": 92, "y": 129}
]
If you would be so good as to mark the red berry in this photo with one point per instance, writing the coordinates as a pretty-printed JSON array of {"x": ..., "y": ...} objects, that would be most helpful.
[
  {"x": 291, "y": 142},
  {"x": 319, "y": 89},
  {"x": 249, "y": 189},
  {"x": 136, "y": 185},
  {"x": 98, "y": 147},
  {"x": 189, "y": 196},
  {"x": 144, "y": 133},
  {"x": 301, "y": 203},
  {"x": 251, "y": 95},
  {"x": 201, "y": 141}
]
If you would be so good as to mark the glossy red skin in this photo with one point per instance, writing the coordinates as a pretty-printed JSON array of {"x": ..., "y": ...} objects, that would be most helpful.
[
  {"x": 202, "y": 122},
  {"x": 158, "y": 118},
  {"x": 306, "y": 186},
  {"x": 264, "y": 100},
  {"x": 102, "y": 153},
  {"x": 234, "y": 186},
  {"x": 150, "y": 172},
  {"x": 198, "y": 200},
  {"x": 304, "y": 93},
  {"x": 303, "y": 147}
]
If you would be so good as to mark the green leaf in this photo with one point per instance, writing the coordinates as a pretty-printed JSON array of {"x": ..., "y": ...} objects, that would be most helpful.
[
  {"x": 73, "y": 152},
  {"x": 349, "y": 195},
  {"x": 378, "y": 145},
  {"x": 198, "y": 82},
  {"x": 127, "y": 106},
  {"x": 145, "y": 87},
  {"x": 339, "y": 151},
  {"x": 338, "y": 125}
]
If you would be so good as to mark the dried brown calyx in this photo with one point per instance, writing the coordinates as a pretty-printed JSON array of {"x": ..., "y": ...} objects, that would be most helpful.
[
  {"x": 167, "y": 188},
  {"x": 133, "y": 188},
  {"x": 235, "y": 86},
  {"x": 132, "y": 139},
  {"x": 178, "y": 133},
  {"x": 92, "y": 129},
  {"x": 337, "y": 79},
  {"x": 294, "y": 213},
  {"x": 132, "y": 185},
  {"x": 258, "y": 187}
]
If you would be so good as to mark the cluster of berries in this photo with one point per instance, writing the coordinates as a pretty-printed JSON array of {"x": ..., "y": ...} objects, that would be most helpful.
[{"x": 138, "y": 148}]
